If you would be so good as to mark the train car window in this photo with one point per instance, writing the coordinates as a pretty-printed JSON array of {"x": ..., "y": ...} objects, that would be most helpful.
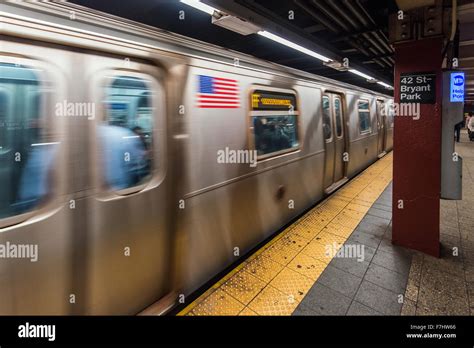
[
  {"x": 364, "y": 116},
  {"x": 127, "y": 133},
  {"x": 327, "y": 124},
  {"x": 338, "y": 115},
  {"x": 27, "y": 152},
  {"x": 274, "y": 120}
]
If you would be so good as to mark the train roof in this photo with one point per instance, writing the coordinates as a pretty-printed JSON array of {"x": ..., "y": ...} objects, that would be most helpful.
[{"x": 90, "y": 19}]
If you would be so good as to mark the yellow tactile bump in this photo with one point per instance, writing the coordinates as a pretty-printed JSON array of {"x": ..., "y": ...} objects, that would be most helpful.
[
  {"x": 247, "y": 312},
  {"x": 273, "y": 302},
  {"x": 337, "y": 202},
  {"x": 218, "y": 303},
  {"x": 362, "y": 202},
  {"x": 317, "y": 250},
  {"x": 281, "y": 252},
  {"x": 308, "y": 231},
  {"x": 319, "y": 219},
  {"x": 339, "y": 230},
  {"x": 188, "y": 309},
  {"x": 367, "y": 197},
  {"x": 326, "y": 238},
  {"x": 348, "y": 218},
  {"x": 330, "y": 210},
  {"x": 357, "y": 207},
  {"x": 346, "y": 193},
  {"x": 292, "y": 283},
  {"x": 307, "y": 266},
  {"x": 243, "y": 286},
  {"x": 296, "y": 240},
  {"x": 263, "y": 268}
]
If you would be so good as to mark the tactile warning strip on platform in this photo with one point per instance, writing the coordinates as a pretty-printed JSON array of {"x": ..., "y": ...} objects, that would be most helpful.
[{"x": 276, "y": 278}]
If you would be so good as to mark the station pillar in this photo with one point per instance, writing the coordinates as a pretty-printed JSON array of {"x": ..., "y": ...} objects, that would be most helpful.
[{"x": 417, "y": 145}]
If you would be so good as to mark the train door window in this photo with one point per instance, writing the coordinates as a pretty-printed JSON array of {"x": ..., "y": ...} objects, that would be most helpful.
[
  {"x": 27, "y": 149},
  {"x": 364, "y": 116},
  {"x": 338, "y": 116},
  {"x": 327, "y": 124},
  {"x": 4, "y": 105},
  {"x": 390, "y": 114},
  {"x": 127, "y": 133},
  {"x": 274, "y": 120}
]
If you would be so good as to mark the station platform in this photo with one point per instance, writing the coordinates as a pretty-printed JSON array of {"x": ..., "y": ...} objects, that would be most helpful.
[
  {"x": 282, "y": 276},
  {"x": 338, "y": 259}
]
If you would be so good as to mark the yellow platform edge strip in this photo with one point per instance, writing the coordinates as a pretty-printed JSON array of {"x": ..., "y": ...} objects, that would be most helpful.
[{"x": 275, "y": 278}]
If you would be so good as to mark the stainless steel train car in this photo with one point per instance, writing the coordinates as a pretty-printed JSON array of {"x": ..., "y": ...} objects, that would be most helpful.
[{"x": 112, "y": 194}]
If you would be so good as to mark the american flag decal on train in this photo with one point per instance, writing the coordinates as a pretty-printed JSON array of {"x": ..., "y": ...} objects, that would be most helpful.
[{"x": 217, "y": 93}]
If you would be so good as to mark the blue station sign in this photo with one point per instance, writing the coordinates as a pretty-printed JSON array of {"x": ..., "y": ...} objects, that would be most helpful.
[{"x": 457, "y": 87}]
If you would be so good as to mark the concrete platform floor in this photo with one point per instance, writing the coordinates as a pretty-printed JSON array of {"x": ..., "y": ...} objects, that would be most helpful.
[{"x": 445, "y": 286}]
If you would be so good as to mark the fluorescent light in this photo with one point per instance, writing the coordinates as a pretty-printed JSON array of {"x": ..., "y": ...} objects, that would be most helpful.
[
  {"x": 365, "y": 76},
  {"x": 386, "y": 85},
  {"x": 43, "y": 144},
  {"x": 200, "y": 6},
  {"x": 357, "y": 72},
  {"x": 290, "y": 44}
]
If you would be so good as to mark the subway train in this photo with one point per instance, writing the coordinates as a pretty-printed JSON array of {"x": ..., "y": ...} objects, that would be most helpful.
[{"x": 137, "y": 164}]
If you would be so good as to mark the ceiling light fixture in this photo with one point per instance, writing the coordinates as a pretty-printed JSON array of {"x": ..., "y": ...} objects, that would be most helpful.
[
  {"x": 386, "y": 85},
  {"x": 200, "y": 6},
  {"x": 357, "y": 72},
  {"x": 290, "y": 44}
]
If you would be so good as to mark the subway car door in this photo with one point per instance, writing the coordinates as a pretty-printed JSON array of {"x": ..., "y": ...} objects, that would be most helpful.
[
  {"x": 128, "y": 253},
  {"x": 35, "y": 214},
  {"x": 339, "y": 142},
  {"x": 381, "y": 128},
  {"x": 333, "y": 129}
]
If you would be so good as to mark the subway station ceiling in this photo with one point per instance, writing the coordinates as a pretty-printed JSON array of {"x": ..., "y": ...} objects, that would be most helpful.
[{"x": 352, "y": 29}]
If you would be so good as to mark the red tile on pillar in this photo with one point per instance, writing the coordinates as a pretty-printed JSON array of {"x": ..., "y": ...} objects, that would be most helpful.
[{"x": 417, "y": 154}]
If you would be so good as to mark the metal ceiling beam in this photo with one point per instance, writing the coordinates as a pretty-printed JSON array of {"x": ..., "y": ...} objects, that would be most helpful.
[
  {"x": 314, "y": 28},
  {"x": 338, "y": 7},
  {"x": 261, "y": 16},
  {"x": 321, "y": 19},
  {"x": 361, "y": 14},
  {"x": 354, "y": 34},
  {"x": 336, "y": 28}
]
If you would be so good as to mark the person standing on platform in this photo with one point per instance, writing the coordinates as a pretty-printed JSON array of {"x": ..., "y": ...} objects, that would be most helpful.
[{"x": 457, "y": 131}]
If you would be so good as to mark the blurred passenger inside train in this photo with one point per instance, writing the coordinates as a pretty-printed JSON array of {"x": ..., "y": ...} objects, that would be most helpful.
[
  {"x": 272, "y": 134},
  {"x": 127, "y": 131},
  {"x": 36, "y": 176},
  {"x": 145, "y": 156},
  {"x": 28, "y": 144},
  {"x": 125, "y": 162}
]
